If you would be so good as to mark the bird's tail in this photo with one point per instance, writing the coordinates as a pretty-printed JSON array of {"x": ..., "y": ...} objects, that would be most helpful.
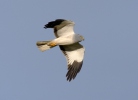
[{"x": 45, "y": 45}]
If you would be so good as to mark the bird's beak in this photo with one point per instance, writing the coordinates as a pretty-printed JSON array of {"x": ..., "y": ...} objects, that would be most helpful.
[{"x": 82, "y": 38}]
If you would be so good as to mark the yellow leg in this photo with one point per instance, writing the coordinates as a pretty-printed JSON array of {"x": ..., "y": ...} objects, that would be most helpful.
[{"x": 52, "y": 44}]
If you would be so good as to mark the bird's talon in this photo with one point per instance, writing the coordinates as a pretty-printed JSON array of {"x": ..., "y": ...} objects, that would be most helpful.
[{"x": 52, "y": 44}]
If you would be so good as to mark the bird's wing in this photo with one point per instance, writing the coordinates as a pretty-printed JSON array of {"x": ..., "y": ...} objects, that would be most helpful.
[
  {"x": 74, "y": 54},
  {"x": 61, "y": 27}
]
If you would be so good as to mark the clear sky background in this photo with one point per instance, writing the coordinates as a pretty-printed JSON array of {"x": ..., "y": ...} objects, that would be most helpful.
[{"x": 110, "y": 69}]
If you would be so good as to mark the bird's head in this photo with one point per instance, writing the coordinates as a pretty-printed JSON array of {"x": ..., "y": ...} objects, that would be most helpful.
[{"x": 80, "y": 37}]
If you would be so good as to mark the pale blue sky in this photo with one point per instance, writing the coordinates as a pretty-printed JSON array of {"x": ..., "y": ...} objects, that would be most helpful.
[{"x": 110, "y": 69}]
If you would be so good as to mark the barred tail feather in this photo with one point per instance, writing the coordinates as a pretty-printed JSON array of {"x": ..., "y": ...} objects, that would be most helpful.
[{"x": 43, "y": 45}]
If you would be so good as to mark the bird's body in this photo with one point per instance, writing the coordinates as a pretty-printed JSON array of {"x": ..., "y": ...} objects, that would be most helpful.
[{"x": 68, "y": 42}]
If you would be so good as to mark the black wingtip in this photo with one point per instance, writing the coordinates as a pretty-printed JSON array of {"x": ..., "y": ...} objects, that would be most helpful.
[
  {"x": 73, "y": 70},
  {"x": 52, "y": 24}
]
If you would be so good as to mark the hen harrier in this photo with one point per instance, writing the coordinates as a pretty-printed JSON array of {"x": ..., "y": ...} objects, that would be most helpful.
[{"x": 69, "y": 44}]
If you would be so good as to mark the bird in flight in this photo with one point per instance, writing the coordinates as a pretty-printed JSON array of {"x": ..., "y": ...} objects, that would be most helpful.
[{"x": 68, "y": 43}]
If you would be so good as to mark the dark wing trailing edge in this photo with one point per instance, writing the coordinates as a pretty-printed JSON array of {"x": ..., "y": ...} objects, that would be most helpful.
[
  {"x": 73, "y": 70},
  {"x": 74, "y": 66},
  {"x": 52, "y": 24}
]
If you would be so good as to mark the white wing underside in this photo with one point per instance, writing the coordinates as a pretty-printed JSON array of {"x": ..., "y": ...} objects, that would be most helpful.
[
  {"x": 66, "y": 30},
  {"x": 74, "y": 55}
]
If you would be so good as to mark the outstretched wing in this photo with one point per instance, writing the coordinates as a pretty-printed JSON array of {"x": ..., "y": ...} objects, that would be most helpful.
[
  {"x": 74, "y": 54},
  {"x": 61, "y": 27}
]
